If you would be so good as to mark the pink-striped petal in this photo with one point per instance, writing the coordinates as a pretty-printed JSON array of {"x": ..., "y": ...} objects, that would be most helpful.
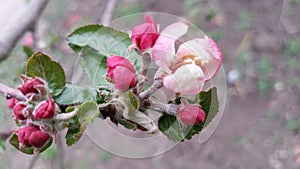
[
  {"x": 207, "y": 51},
  {"x": 163, "y": 52}
]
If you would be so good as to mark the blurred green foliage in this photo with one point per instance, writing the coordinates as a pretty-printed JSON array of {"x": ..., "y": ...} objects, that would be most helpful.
[
  {"x": 264, "y": 65},
  {"x": 293, "y": 125},
  {"x": 244, "y": 22},
  {"x": 105, "y": 156}
]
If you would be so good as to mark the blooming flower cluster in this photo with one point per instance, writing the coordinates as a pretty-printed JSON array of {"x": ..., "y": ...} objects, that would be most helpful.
[
  {"x": 29, "y": 114},
  {"x": 184, "y": 71}
]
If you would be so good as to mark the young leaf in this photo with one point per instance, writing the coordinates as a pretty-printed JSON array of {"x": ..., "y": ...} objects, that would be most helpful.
[
  {"x": 14, "y": 141},
  {"x": 105, "y": 40},
  {"x": 171, "y": 127},
  {"x": 75, "y": 132},
  {"x": 131, "y": 113},
  {"x": 41, "y": 65},
  {"x": 87, "y": 112},
  {"x": 74, "y": 94},
  {"x": 210, "y": 104}
]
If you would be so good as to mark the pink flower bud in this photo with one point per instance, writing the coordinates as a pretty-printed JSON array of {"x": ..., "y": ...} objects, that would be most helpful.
[
  {"x": 145, "y": 35},
  {"x": 11, "y": 102},
  {"x": 121, "y": 71},
  {"x": 30, "y": 86},
  {"x": 45, "y": 110},
  {"x": 38, "y": 138},
  {"x": 28, "y": 40},
  {"x": 19, "y": 109},
  {"x": 192, "y": 115},
  {"x": 24, "y": 134},
  {"x": 32, "y": 136}
]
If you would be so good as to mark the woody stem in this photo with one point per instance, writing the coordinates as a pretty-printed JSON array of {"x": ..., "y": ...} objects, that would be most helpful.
[
  {"x": 171, "y": 109},
  {"x": 157, "y": 84},
  {"x": 146, "y": 61},
  {"x": 66, "y": 116},
  {"x": 8, "y": 91}
]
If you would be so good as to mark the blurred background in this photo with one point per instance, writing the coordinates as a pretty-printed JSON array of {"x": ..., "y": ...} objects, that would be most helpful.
[{"x": 260, "y": 43}]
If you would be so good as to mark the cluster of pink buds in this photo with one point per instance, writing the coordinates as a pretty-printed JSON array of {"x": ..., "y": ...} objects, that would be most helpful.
[{"x": 33, "y": 113}]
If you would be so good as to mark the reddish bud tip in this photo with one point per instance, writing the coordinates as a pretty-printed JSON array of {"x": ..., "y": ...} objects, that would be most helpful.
[{"x": 145, "y": 35}]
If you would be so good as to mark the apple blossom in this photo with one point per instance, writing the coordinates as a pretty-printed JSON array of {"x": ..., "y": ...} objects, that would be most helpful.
[
  {"x": 182, "y": 74},
  {"x": 121, "y": 71}
]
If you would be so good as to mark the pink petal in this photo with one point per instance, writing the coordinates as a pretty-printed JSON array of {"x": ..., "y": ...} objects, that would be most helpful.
[
  {"x": 163, "y": 52},
  {"x": 187, "y": 79}
]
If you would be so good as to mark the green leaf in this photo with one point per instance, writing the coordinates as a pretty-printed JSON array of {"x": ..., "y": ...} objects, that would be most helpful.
[
  {"x": 135, "y": 59},
  {"x": 105, "y": 40},
  {"x": 41, "y": 65},
  {"x": 210, "y": 104},
  {"x": 171, "y": 127},
  {"x": 94, "y": 65},
  {"x": 14, "y": 141},
  {"x": 87, "y": 112},
  {"x": 74, "y": 94},
  {"x": 28, "y": 51},
  {"x": 190, "y": 131}
]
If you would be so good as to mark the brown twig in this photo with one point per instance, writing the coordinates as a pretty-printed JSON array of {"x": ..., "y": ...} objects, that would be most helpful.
[
  {"x": 33, "y": 161},
  {"x": 171, "y": 109},
  {"x": 157, "y": 84},
  {"x": 25, "y": 22},
  {"x": 108, "y": 12},
  {"x": 6, "y": 135},
  {"x": 12, "y": 92},
  {"x": 61, "y": 154}
]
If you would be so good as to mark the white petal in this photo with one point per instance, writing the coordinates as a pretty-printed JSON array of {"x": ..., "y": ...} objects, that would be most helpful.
[{"x": 187, "y": 79}]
